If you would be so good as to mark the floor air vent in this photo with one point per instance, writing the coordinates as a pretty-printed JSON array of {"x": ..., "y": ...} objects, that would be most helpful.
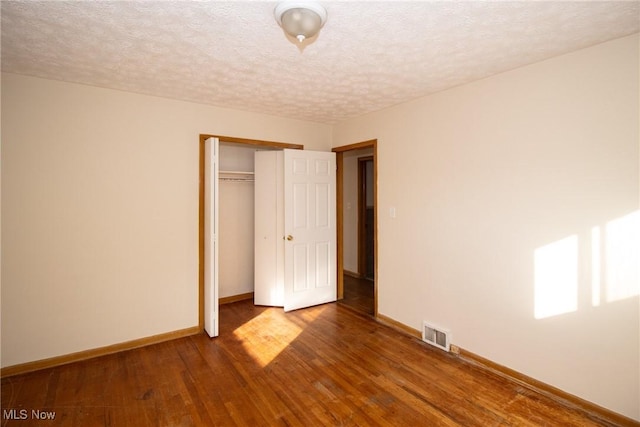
[{"x": 436, "y": 336}]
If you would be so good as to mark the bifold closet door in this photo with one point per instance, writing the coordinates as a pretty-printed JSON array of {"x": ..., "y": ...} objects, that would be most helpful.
[
  {"x": 211, "y": 169},
  {"x": 269, "y": 229}
]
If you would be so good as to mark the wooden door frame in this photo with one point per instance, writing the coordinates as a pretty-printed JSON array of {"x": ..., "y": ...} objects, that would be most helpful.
[
  {"x": 362, "y": 213},
  {"x": 373, "y": 143},
  {"x": 201, "y": 160}
]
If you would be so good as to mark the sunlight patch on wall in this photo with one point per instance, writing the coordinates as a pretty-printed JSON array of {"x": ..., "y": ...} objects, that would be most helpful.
[
  {"x": 556, "y": 278},
  {"x": 596, "y": 269},
  {"x": 613, "y": 260},
  {"x": 622, "y": 257}
]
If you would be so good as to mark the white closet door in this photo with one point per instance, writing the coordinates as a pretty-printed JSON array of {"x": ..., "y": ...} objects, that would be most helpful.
[
  {"x": 310, "y": 228},
  {"x": 211, "y": 237},
  {"x": 269, "y": 229}
]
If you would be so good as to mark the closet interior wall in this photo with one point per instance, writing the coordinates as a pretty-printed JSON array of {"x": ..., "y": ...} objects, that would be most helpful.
[{"x": 236, "y": 220}]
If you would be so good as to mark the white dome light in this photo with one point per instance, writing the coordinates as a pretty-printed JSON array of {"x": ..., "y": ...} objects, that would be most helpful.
[{"x": 300, "y": 19}]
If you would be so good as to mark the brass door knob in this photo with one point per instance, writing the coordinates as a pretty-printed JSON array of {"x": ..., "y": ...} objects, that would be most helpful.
[{"x": 289, "y": 237}]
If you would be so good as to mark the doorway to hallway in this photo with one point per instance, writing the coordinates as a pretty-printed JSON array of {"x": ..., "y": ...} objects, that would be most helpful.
[
  {"x": 357, "y": 226},
  {"x": 358, "y": 294}
]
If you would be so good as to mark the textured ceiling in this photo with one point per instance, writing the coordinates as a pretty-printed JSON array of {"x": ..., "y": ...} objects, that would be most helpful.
[{"x": 370, "y": 55}]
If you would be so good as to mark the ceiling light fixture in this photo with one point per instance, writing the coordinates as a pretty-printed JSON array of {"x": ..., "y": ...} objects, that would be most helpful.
[{"x": 300, "y": 19}]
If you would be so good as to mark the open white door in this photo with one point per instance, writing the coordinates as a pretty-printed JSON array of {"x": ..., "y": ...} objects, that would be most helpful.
[
  {"x": 310, "y": 228},
  {"x": 211, "y": 237}
]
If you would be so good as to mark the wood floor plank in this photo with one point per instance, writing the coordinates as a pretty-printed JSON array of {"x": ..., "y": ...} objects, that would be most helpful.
[
  {"x": 358, "y": 294},
  {"x": 323, "y": 366}
]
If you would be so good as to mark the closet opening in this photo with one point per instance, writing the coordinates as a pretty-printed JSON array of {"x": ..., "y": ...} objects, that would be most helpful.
[{"x": 236, "y": 217}]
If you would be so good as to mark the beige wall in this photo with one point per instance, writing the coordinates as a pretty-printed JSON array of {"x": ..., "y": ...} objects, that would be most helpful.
[
  {"x": 100, "y": 212},
  {"x": 486, "y": 178}
]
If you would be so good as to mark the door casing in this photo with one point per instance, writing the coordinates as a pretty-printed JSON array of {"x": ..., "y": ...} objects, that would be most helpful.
[{"x": 373, "y": 143}]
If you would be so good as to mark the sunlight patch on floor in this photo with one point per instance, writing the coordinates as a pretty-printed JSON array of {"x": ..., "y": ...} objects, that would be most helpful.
[{"x": 265, "y": 336}]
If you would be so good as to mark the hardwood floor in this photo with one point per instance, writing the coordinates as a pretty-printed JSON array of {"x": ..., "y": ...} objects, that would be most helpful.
[
  {"x": 358, "y": 294},
  {"x": 326, "y": 365}
]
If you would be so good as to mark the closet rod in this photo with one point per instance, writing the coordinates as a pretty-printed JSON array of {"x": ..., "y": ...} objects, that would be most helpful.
[
  {"x": 236, "y": 173},
  {"x": 236, "y": 179},
  {"x": 236, "y": 176}
]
